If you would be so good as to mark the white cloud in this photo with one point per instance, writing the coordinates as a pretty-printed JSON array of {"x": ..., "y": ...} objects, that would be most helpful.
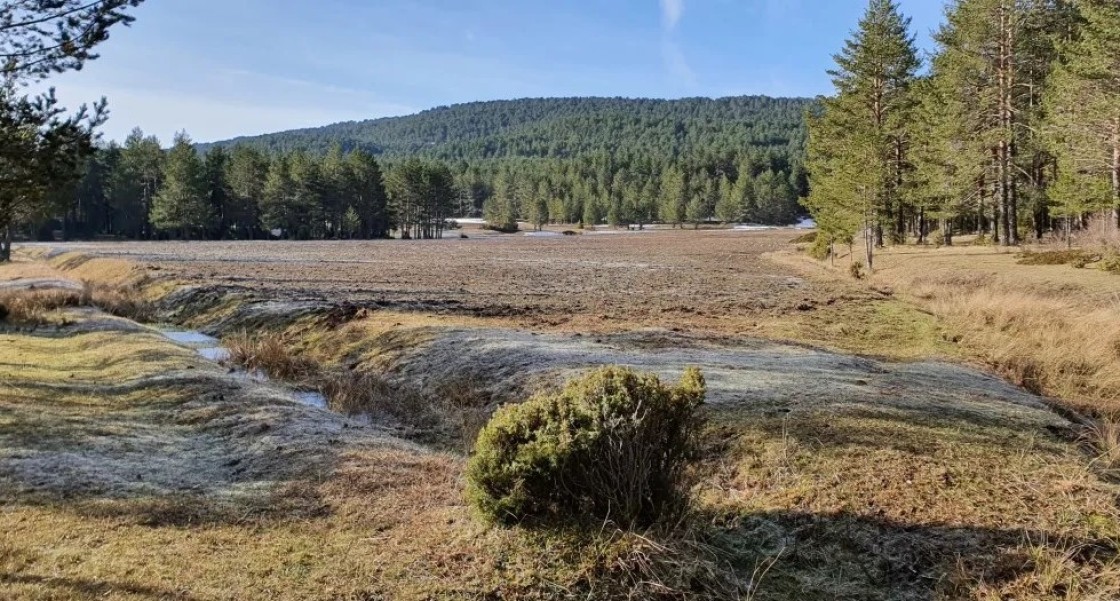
[
  {"x": 671, "y": 13},
  {"x": 676, "y": 63}
]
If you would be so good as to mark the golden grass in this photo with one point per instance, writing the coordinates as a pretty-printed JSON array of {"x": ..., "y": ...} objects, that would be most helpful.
[
  {"x": 270, "y": 353},
  {"x": 38, "y": 306},
  {"x": 1054, "y": 333}
]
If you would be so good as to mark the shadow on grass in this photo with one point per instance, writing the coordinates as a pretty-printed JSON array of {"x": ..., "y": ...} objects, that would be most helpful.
[
  {"x": 78, "y": 588},
  {"x": 852, "y": 557}
]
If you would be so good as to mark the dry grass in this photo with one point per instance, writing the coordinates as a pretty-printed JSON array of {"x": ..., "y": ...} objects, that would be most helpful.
[
  {"x": 1048, "y": 340},
  {"x": 127, "y": 301},
  {"x": 1058, "y": 257},
  {"x": 270, "y": 353},
  {"x": 1103, "y": 436},
  {"x": 153, "y": 475},
  {"x": 354, "y": 393},
  {"x": 38, "y": 306},
  {"x": 838, "y": 503}
]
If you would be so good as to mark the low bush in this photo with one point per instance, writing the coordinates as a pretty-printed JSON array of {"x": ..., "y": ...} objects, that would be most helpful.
[
  {"x": 572, "y": 233},
  {"x": 808, "y": 238},
  {"x": 937, "y": 238},
  {"x": 270, "y": 353},
  {"x": 1055, "y": 257},
  {"x": 614, "y": 446},
  {"x": 501, "y": 228},
  {"x": 855, "y": 269},
  {"x": 821, "y": 248}
]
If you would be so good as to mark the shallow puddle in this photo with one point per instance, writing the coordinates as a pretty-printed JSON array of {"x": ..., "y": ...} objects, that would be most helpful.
[{"x": 210, "y": 349}]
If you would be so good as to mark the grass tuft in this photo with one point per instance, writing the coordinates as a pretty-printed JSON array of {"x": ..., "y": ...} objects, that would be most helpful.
[
  {"x": 37, "y": 306},
  {"x": 270, "y": 353}
]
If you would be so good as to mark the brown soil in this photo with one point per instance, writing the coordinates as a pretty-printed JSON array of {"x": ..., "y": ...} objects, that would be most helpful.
[{"x": 717, "y": 280}]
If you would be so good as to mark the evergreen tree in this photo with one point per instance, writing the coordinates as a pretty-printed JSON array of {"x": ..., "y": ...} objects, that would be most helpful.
[
  {"x": 674, "y": 196},
  {"x": 776, "y": 201},
  {"x": 216, "y": 167},
  {"x": 277, "y": 212},
  {"x": 136, "y": 180},
  {"x": 367, "y": 195},
  {"x": 246, "y": 173},
  {"x": 859, "y": 143},
  {"x": 501, "y": 208},
  {"x": 182, "y": 206},
  {"x": 1083, "y": 105}
]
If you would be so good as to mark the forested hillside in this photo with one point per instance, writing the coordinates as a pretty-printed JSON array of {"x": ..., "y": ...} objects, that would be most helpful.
[
  {"x": 583, "y": 161},
  {"x": 564, "y": 128}
]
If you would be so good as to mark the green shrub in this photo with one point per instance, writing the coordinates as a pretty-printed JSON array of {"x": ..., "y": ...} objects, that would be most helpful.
[
  {"x": 614, "y": 445},
  {"x": 808, "y": 238}
]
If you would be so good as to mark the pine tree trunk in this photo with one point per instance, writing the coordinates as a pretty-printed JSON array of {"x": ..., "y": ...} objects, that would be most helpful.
[
  {"x": 1116, "y": 172},
  {"x": 922, "y": 225},
  {"x": 6, "y": 244},
  {"x": 871, "y": 232}
]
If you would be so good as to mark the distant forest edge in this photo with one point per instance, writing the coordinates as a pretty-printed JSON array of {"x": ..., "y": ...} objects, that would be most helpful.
[{"x": 584, "y": 161}]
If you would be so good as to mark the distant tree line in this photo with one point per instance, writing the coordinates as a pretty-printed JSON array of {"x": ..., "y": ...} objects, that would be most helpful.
[
  {"x": 312, "y": 189},
  {"x": 1013, "y": 130}
]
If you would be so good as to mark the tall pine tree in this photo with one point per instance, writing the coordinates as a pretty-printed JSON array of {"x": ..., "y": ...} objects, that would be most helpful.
[{"x": 858, "y": 144}]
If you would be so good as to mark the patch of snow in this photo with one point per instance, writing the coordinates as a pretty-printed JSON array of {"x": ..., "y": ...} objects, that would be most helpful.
[
  {"x": 806, "y": 224},
  {"x": 544, "y": 235},
  {"x": 311, "y": 399},
  {"x": 190, "y": 338},
  {"x": 747, "y": 227},
  {"x": 216, "y": 354}
]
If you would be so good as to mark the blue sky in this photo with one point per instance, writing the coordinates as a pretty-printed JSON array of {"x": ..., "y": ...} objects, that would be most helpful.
[{"x": 221, "y": 68}]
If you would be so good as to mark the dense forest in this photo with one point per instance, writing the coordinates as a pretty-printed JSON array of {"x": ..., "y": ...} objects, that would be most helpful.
[
  {"x": 1011, "y": 129},
  {"x": 584, "y": 161}
]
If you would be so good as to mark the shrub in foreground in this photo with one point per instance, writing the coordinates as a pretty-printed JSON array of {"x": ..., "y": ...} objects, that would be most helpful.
[{"x": 614, "y": 445}]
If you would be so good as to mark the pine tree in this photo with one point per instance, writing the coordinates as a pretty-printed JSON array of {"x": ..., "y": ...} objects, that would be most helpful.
[
  {"x": 277, "y": 214},
  {"x": 501, "y": 208},
  {"x": 182, "y": 205},
  {"x": 216, "y": 168},
  {"x": 991, "y": 67},
  {"x": 367, "y": 195},
  {"x": 1083, "y": 121},
  {"x": 246, "y": 173},
  {"x": 858, "y": 146},
  {"x": 674, "y": 196}
]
